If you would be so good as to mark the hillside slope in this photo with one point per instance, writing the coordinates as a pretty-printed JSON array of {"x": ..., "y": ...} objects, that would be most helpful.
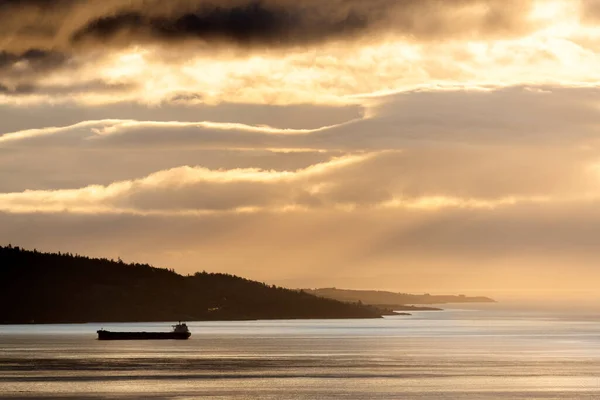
[{"x": 60, "y": 288}]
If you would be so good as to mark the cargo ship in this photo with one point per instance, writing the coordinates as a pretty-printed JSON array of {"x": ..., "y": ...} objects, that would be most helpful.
[{"x": 180, "y": 332}]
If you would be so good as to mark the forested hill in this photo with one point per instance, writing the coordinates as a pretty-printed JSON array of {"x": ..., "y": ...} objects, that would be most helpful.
[
  {"x": 392, "y": 299},
  {"x": 60, "y": 288}
]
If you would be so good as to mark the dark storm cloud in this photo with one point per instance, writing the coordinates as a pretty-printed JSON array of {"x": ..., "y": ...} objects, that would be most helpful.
[
  {"x": 36, "y": 3},
  {"x": 20, "y": 71},
  {"x": 266, "y": 23},
  {"x": 32, "y": 60},
  {"x": 243, "y": 24}
]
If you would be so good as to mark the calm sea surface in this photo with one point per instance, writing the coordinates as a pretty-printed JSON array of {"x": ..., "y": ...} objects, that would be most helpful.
[{"x": 491, "y": 353}]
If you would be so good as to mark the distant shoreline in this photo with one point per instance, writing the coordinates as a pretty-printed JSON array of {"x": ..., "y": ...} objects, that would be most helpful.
[{"x": 396, "y": 301}]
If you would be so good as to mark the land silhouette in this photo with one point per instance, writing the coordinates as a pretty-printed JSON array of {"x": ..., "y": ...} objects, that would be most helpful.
[
  {"x": 40, "y": 287},
  {"x": 392, "y": 300}
]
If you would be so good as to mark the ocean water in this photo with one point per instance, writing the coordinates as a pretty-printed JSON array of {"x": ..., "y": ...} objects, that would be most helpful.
[{"x": 489, "y": 353}]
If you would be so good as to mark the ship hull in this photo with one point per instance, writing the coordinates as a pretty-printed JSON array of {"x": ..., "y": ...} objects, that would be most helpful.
[{"x": 107, "y": 335}]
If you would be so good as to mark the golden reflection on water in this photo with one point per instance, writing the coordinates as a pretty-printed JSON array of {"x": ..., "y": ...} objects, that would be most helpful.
[{"x": 455, "y": 354}]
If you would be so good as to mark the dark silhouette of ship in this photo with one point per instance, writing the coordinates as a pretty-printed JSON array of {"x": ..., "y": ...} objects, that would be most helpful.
[{"x": 180, "y": 332}]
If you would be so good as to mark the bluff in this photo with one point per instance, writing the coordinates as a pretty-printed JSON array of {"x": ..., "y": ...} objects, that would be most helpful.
[{"x": 65, "y": 288}]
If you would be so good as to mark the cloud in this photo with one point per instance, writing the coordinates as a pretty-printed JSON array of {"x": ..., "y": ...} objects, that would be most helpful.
[
  {"x": 56, "y": 168},
  {"x": 253, "y": 23},
  {"x": 477, "y": 178},
  {"x": 191, "y": 189},
  {"x": 452, "y": 148},
  {"x": 20, "y": 71},
  {"x": 257, "y": 22},
  {"x": 534, "y": 114},
  {"x": 289, "y": 52},
  {"x": 82, "y": 88},
  {"x": 286, "y": 23},
  {"x": 21, "y": 89},
  {"x": 35, "y": 3},
  {"x": 33, "y": 60},
  {"x": 523, "y": 116},
  {"x": 37, "y": 116}
]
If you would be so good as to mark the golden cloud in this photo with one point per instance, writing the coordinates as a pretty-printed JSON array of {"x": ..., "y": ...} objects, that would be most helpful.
[{"x": 389, "y": 47}]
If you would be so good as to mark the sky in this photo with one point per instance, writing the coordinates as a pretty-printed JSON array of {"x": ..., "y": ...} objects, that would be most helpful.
[{"x": 406, "y": 145}]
